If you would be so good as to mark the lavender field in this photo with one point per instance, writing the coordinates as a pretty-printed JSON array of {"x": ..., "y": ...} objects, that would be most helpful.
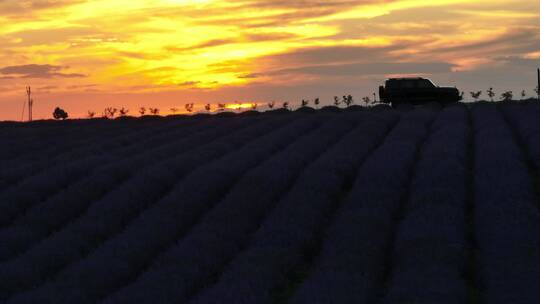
[{"x": 423, "y": 205}]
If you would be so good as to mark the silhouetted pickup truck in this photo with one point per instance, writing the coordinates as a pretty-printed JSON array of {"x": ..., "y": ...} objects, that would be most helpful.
[{"x": 416, "y": 91}]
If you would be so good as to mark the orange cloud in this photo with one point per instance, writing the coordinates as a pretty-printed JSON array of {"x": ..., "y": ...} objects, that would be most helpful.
[{"x": 214, "y": 50}]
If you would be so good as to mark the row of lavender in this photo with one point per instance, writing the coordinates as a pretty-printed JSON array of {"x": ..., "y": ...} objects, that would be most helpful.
[
  {"x": 26, "y": 217},
  {"x": 83, "y": 146},
  {"x": 266, "y": 244},
  {"x": 145, "y": 202},
  {"x": 416, "y": 207},
  {"x": 39, "y": 236},
  {"x": 355, "y": 257},
  {"x": 507, "y": 206}
]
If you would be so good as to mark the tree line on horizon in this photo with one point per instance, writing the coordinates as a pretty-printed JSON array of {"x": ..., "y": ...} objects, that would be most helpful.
[{"x": 346, "y": 100}]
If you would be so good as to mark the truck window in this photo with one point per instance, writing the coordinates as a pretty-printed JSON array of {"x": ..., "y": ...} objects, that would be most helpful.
[{"x": 424, "y": 84}]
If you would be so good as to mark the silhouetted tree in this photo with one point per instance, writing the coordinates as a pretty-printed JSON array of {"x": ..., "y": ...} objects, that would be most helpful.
[
  {"x": 91, "y": 114},
  {"x": 254, "y": 106},
  {"x": 374, "y": 98},
  {"x": 123, "y": 111},
  {"x": 316, "y": 101},
  {"x": 491, "y": 93},
  {"x": 336, "y": 101},
  {"x": 142, "y": 111},
  {"x": 348, "y": 100},
  {"x": 366, "y": 100},
  {"x": 305, "y": 103},
  {"x": 60, "y": 114},
  {"x": 476, "y": 95},
  {"x": 153, "y": 111},
  {"x": 286, "y": 105},
  {"x": 221, "y": 107},
  {"x": 109, "y": 112},
  {"x": 271, "y": 104},
  {"x": 174, "y": 110},
  {"x": 189, "y": 107},
  {"x": 523, "y": 94},
  {"x": 507, "y": 96},
  {"x": 208, "y": 107}
]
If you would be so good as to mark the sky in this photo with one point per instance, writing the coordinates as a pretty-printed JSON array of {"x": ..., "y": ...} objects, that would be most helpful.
[{"x": 87, "y": 55}]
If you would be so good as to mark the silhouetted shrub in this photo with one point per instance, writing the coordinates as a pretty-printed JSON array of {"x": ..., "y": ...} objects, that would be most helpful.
[
  {"x": 348, "y": 100},
  {"x": 153, "y": 111},
  {"x": 142, "y": 111},
  {"x": 366, "y": 100},
  {"x": 109, "y": 112},
  {"x": 476, "y": 95},
  {"x": 60, "y": 114},
  {"x": 286, "y": 105},
  {"x": 336, "y": 101},
  {"x": 523, "y": 94},
  {"x": 491, "y": 93},
  {"x": 507, "y": 96},
  {"x": 123, "y": 112}
]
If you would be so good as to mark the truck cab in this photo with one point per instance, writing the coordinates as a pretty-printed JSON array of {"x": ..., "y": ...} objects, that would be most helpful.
[{"x": 416, "y": 91}]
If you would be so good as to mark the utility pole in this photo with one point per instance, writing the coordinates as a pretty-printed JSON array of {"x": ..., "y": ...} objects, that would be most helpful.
[
  {"x": 538, "y": 87},
  {"x": 30, "y": 102}
]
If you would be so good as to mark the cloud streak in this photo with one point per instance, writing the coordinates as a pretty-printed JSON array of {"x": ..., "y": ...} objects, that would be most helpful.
[{"x": 37, "y": 71}]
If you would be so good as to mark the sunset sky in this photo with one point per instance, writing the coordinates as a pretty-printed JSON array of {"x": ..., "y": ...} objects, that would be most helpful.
[{"x": 86, "y": 55}]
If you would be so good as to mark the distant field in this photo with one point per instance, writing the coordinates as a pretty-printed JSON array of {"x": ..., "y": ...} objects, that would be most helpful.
[{"x": 426, "y": 205}]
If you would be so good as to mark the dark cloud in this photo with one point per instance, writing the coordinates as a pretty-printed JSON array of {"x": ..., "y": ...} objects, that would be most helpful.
[
  {"x": 362, "y": 69},
  {"x": 47, "y": 88},
  {"x": 38, "y": 71},
  {"x": 514, "y": 38},
  {"x": 189, "y": 83},
  {"x": 333, "y": 54},
  {"x": 245, "y": 38},
  {"x": 250, "y": 76},
  {"x": 206, "y": 44},
  {"x": 84, "y": 86},
  {"x": 141, "y": 55}
]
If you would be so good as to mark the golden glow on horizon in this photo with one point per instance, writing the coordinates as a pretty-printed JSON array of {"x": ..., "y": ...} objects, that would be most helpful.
[
  {"x": 240, "y": 106},
  {"x": 196, "y": 47}
]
